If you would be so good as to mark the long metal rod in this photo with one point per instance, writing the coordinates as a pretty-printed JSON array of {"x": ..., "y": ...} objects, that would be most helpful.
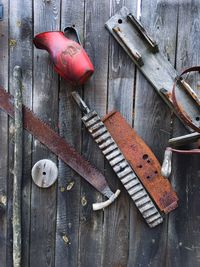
[
  {"x": 184, "y": 139},
  {"x": 17, "y": 78}
]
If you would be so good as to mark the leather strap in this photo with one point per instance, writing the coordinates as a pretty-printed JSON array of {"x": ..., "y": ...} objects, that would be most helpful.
[{"x": 178, "y": 108}]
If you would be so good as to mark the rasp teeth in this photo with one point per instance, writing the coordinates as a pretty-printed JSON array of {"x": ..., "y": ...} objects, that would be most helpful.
[
  {"x": 113, "y": 154},
  {"x": 121, "y": 166},
  {"x": 89, "y": 116},
  {"x": 123, "y": 170},
  {"x": 133, "y": 187},
  {"x": 103, "y": 137},
  {"x": 146, "y": 207},
  {"x": 107, "y": 151},
  {"x": 98, "y": 132},
  {"x": 128, "y": 178}
]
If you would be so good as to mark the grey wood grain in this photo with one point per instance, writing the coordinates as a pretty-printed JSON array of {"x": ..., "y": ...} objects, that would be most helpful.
[
  {"x": 21, "y": 54},
  {"x": 95, "y": 96},
  {"x": 121, "y": 76},
  {"x": 3, "y": 138},
  {"x": 45, "y": 105},
  {"x": 68, "y": 193},
  {"x": 152, "y": 123},
  {"x": 18, "y": 163},
  {"x": 183, "y": 234}
]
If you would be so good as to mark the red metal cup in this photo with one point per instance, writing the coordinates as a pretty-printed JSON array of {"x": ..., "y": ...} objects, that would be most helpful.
[{"x": 69, "y": 58}]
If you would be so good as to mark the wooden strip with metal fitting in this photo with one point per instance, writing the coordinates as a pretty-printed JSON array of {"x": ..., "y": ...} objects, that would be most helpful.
[{"x": 156, "y": 68}]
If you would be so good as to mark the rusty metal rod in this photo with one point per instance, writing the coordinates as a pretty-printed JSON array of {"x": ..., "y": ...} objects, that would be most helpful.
[
  {"x": 190, "y": 91},
  {"x": 17, "y": 81}
]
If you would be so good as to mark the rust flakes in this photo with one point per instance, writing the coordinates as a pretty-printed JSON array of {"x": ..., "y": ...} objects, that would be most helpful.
[
  {"x": 3, "y": 200},
  {"x": 83, "y": 201},
  {"x": 12, "y": 42},
  {"x": 18, "y": 23},
  {"x": 62, "y": 189},
  {"x": 66, "y": 239},
  {"x": 70, "y": 185}
]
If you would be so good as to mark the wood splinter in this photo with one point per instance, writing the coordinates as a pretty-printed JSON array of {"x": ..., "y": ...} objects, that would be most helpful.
[{"x": 17, "y": 81}]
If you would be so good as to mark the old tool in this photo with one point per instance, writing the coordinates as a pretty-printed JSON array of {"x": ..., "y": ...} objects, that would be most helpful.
[
  {"x": 17, "y": 180},
  {"x": 122, "y": 166},
  {"x": 194, "y": 137},
  {"x": 135, "y": 40},
  {"x": 167, "y": 161},
  {"x": 44, "y": 173},
  {"x": 177, "y": 142},
  {"x": 142, "y": 160},
  {"x": 61, "y": 148},
  {"x": 69, "y": 58}
]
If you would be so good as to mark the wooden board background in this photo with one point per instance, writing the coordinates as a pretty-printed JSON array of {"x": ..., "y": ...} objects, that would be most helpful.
[{"x": 59, "y": 228}]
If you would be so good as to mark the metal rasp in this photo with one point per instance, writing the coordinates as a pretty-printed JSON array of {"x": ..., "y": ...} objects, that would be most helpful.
[
  {"x": 119, "y": 164},
  {"x": 61, "y": 148}
]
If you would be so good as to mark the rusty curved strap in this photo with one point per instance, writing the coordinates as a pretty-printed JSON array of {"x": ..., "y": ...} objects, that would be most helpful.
[{"x": 183, "y": 115}]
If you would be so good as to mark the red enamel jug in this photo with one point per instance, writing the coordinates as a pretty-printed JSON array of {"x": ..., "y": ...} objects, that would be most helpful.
[{"x": 69, "y": 57}]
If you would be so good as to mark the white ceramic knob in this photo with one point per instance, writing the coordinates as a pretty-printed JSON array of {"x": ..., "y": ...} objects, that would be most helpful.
[{"x": 44, "y": 173}]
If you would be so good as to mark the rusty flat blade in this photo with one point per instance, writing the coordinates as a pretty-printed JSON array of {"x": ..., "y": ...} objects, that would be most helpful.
[
  {"x": 143, "y": 162},
  {"x": 56, "y": 144}
]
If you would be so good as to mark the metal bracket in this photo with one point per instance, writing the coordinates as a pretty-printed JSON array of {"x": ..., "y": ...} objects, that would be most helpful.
[
  {"x": 152, "y": 44},
  {"x": 141, "y": 48}
]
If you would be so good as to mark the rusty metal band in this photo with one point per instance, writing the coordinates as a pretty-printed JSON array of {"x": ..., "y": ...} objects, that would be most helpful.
[
  {"x": 183, "y": 115},
  {"x": 142, "y": 161}
]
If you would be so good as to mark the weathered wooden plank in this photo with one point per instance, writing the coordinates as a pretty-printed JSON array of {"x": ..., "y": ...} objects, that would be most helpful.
[
  {"x": 3, "y": 137},
  {"x": 184, "y": 233},
  {"x": 68, "y": 194},
  {"x": 120, "y": 97},
  {"x": 152, "y": 123},
  {"x": 21, "y": 54},
  {"x": 95, "y": 94},
  {"x": 45, "y": 105}
]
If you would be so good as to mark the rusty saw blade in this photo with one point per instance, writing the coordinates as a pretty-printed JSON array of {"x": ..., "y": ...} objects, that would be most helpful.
[{"x": 61, "y": 148}]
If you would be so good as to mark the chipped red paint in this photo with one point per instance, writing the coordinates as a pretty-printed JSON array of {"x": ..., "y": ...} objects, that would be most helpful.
[
  {"x": 142, "y": 160},
  {"x": 69, "y": 58}
]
